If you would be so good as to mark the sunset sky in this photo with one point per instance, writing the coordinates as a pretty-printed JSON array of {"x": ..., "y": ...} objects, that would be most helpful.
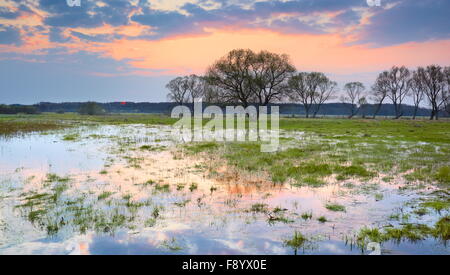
[{"x": 117, "y": 50}]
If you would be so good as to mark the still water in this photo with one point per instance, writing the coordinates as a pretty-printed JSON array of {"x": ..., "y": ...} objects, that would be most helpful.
[{"x": 131, "y": 190}]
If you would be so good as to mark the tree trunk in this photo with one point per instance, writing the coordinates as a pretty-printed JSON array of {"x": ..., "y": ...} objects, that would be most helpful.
[
  {"x": 314, "y": 114},
  {"x": 432, "y": 114},
  {"x": 377, "y": 110},
  {"x": 396, "y": 110},
  {"x": 415, "y": 111}
]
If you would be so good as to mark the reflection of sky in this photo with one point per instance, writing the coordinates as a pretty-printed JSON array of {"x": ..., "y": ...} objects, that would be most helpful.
[
  {"x": 212, "y": 227},
  {"x": 49, "y": 151}
]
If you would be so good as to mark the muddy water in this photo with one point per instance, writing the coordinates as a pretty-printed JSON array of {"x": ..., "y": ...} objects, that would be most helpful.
[{"x": 110, "y": 195}]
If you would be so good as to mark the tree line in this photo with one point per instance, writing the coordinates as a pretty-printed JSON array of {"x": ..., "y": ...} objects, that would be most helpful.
[
  {"x": 244, "y": 77},
  {"x": 18, "y": 109}
]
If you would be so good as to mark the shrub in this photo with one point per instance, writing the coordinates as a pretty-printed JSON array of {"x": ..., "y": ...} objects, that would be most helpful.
[{"x": 91, "y": 108}]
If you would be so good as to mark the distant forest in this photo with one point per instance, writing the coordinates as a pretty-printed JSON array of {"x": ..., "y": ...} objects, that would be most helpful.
[{"x": 331, "y": 109}]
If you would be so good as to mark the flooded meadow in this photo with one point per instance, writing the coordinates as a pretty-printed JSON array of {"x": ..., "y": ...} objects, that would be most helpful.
[{"x": 135, "y": 189}]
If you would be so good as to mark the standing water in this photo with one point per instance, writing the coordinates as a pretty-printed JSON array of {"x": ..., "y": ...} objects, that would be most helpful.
[{"x": 131, "y": 190}]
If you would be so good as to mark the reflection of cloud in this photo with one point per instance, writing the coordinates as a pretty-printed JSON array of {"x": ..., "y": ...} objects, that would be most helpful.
[
  {"x": 74, "y": 246},
  {"x": 333, "y": 248},
  {"x": 149, "y": 242}
]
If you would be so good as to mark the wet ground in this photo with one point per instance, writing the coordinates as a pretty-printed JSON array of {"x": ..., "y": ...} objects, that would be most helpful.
[{"x": 131, "y": 190}]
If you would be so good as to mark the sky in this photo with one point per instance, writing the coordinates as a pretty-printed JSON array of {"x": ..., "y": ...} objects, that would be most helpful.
[{"x": 127, "y": 50}]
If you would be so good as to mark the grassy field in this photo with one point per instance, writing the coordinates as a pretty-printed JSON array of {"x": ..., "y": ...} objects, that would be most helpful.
[
  {"x": 340, "y": 147},
  {"x": 409, "y": 130},
  {"x": 355, "y": 154}
]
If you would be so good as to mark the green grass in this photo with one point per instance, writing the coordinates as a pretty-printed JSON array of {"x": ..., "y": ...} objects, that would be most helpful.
[
  {"x": 151, "y": 148},
  {"x": 259, "y": 208},
  {"x": 201, "y": 147},
  {"x": 104, "y": 195},
  {"x": 344, "y": 148},
  {"x": 442, "y": 228},
  {"x": 182, "y": 203},
  {"x": 297, "y": 241},
  {"x": 335, "y": 207},
  {"x": 369, "y": 129},
  {"x": 443, "y": 175},
  {"x": 164, "y": 188},
  {"x": 307, "y": 216},
  {"x": 129, "y": 118},
  {"x": 71, "y": 137},
  {"x": 13, "y": 126},
  {"x": 411, "y": 232},
  {"x": 55, "y": 178},
  {"x": 193, "y": 187},
  {"x": 437, "y": 204}
]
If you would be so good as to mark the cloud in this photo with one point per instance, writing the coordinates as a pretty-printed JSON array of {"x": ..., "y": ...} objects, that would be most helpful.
[
  {"x": 10, "y": 35},
  {"x": 88, "y": 15},
  {"x": 193, "y": 18},
  {"x": 56, "y": 35},
  {"x": 8, "y": 14},
  {"x": 408, "y": 21},
  {"x": 95, "y": 38}
]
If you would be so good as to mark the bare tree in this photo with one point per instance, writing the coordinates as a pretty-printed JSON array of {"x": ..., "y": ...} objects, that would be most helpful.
[
  {"x": 310, "y": 89},
  {"x": 195, "y": 87},
  {"x": 178, "y": 90},
  {"x": 245, "y": 77},
  {"x": 325, "y": 91},
  {"x": 435, "y": 86},
  {"x": 398, "y": 88},
  {"x": 299, "y": 91},
  {"x": 379, "y": 91},
  {"x": 185, "y": 89},
  {"x": 231, "y": 74},
  {"x": 353, "y": 94},
  {"x": 447, "y": 92},
  {"x": 211, "y": 93},
  {"x": 362, "y": 103},
  {"x": 270, "y": 74},
  {"x": 417, "y": 91}
]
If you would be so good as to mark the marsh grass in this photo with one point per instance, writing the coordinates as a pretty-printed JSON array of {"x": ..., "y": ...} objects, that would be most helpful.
[
  {"x": 71, "y": 137},
  {"x": 259, "y": 208},
  {"x": 279, "y": 218},
  {"x": 182, "y": 203},
  {"x": 55, "y": 210},
  {"x": 193, "y": 187},
  {"x": 307, "y": 216},
  {"x": 164, "y": 188},
  {"x": 331, "y": 148},
  {"x": 152, "y": 148},
  {"x": 344, "y": 149},
  {"x": 437, "y": 204},
  {"x": 104, "y": 195},
  {"x": 14, "y": 127},
  {"x": 171, "y": 245},
  {"x": 298, "y": 241},
  {"x": 55, "y": 178},
  {"x": 411, "y": 232},
  {"x": 335, "y": 207}
]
